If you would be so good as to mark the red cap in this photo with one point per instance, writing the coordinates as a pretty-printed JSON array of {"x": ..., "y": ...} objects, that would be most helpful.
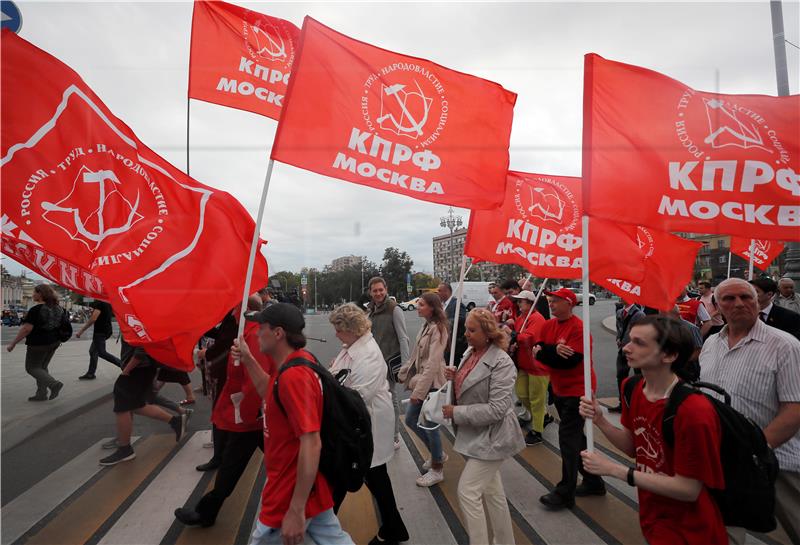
[{"x": 564, "y": 293}]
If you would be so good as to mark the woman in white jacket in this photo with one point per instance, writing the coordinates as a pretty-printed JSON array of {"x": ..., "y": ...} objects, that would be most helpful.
[{"x": 360, "y": 366}]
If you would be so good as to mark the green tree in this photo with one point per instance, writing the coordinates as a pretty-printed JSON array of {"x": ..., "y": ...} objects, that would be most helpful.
[
  {"x": 396, "y": 265},
  {"x": 509, "y": 271}
]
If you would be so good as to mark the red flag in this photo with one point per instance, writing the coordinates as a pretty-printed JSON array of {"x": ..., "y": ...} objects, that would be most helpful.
[
  {"x": 668, "y": 265},
  {"x": 240, "y": 58},
  {"x": 539, "y": 228},
  {"x": 765, "y": 251},
  {"x": 659, "y": 153},
  {"x": 403, "y": 124},
  {"x": 97, "y": 211}
]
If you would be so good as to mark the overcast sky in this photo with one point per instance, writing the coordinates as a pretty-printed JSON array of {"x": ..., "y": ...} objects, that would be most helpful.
[{"x": 135, "y": 57}]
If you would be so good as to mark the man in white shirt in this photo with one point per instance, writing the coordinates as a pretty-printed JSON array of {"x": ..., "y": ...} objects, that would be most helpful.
[{"x": 710, "y": 304}]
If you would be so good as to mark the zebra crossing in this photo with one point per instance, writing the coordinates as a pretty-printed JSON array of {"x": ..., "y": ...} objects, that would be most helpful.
[{"x": 133, "y": 502}]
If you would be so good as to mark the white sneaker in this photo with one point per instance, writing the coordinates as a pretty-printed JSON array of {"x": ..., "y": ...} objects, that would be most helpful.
[
  {"x": 397, "y": 443},
  {"x": 427, "y": 465},
  {"x": 431, "y": 478}
]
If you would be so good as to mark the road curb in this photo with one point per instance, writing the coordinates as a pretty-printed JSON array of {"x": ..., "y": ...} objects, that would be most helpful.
[{"x": 610, "y": 324}]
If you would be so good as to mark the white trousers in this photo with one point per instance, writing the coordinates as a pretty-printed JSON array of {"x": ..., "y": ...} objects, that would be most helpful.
[{"x": 480, "y": 481}]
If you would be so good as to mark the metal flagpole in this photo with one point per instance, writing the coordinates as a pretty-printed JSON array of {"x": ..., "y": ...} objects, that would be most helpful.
[
  {"x": 750, "y": 262},
  {"x": 188, "y": 102},
  {"x": 459, "y": 294},
  {"x": 533, "y": 305},
  {"x": 253, "y": 246},
  {"x": 729, "y": 264},
  {"x": 587, "y": 348}
]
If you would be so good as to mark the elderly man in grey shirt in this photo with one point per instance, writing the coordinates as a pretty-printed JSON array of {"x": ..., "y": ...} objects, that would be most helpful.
[
  {"x": 389, "y": 331},
  {"x": 786, "y": 296},
  {"x": 759, "y": 366}
]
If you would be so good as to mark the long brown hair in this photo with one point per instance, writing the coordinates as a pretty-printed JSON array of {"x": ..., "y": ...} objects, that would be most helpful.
[
  {"x": 438, "y": 317},
  {"x": 47, "y": 293}
]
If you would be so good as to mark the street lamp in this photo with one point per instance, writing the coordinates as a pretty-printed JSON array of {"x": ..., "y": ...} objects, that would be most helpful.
[{"x": 452, "y": 222}]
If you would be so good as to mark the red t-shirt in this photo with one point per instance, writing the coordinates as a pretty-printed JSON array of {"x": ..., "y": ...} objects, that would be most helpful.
[
  {"x": 688, "y": 310},
  {"x": 505, "y": 309},
  {"x": 567, "y": 382},
  {"x": 696, "y": 455},
  {"x": 238, "y": 380},
  {"x": 525, "y": 341},
  {"x": 301, "y": 397}
]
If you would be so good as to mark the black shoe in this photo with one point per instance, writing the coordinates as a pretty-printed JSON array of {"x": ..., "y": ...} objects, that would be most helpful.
[
  {"x": 38, "y": 397},
  {"x": 122, "y": 454},
  {"x": 378, "y": 541},
  {"x": 87, "y": 376},
  {"x": 555, "y": 502},
  {"x": 55, "y": 389},
  {"x": 548, "y": 420},
  {"x": 617, "y": 409},
  {"x": 190, "y": 517},
  {"x": 523, "y": 423},
  {"x": 211, "y": 465},
  {"x": 533, "y": 438},
  {"x": 178, "y": 423},
  {"x": 582, "y": 490}
]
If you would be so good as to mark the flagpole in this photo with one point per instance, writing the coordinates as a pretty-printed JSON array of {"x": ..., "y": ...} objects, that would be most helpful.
[
  {"x": 533, "y": 305},
  {"x": 587, "y": 348},
  {"x": 459, "y": 294},
  {"x": 729, "y": 264},
  {"x": 750, "y": 261},
  {"x": 253, "y": 246},
  {"x": 188, "y": 102}
]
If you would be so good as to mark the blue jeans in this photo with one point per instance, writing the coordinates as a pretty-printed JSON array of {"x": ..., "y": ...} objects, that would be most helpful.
[
  {"x": 431, "y": 439},
  {"x": 324, "y": 529}
]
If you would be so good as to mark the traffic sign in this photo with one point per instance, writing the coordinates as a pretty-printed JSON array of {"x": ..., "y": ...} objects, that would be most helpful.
[
  {"x": 11, "y": 16},
  {"x": 408, "y": 288},
  {"x": 304, "y": 280}
]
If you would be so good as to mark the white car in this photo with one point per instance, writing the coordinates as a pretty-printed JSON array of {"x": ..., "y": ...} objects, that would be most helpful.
[
  {"x": 579, "y": 294},
  {"x": 409, "y": 305}
]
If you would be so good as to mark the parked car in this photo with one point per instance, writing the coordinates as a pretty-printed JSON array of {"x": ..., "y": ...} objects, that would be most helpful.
[
  {"x": 409, "y": 305},
  {"x": 579, "y": 293}
]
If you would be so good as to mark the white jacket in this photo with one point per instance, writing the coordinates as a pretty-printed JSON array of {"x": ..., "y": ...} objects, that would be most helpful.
[{"x": 368, "y": 377}]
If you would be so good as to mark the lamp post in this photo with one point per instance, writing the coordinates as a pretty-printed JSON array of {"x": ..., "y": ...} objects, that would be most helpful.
[{"x": 452, "y": 222}]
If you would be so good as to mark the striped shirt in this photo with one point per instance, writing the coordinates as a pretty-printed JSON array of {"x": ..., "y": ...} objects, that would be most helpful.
[{"x": 760, "y": 372}]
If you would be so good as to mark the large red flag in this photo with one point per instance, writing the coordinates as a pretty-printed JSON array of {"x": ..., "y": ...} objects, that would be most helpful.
[
  {"x": 765, "y": 251},
  {"x": 92, "y": 208},
  {"x": 659, "y": 153},
  {"x": 403, "y": 124},
  {"x": 539, "y": 228},
  {"x": 668, "y": 266},
  {"x": 240, "y": 58}
]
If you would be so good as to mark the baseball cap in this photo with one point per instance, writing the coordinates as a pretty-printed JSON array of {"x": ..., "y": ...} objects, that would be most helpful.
[
  {"x": 564, "y": 293},
  {"x": 283, "y": 315},
  {"x": 525, "y": 294}
]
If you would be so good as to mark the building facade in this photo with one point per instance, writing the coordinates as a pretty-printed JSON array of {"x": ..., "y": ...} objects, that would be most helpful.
[
  {"x": 345, "y": 262},
  {"x": 712, "y": 260},
  {"x": 447, "y": 252}
]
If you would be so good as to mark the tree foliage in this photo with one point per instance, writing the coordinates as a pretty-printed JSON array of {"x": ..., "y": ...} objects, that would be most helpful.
[{"x": 394, "y": 269}]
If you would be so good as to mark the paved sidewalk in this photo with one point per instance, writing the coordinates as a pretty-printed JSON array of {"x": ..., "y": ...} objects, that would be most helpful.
[{"x": 22, "y": 418}]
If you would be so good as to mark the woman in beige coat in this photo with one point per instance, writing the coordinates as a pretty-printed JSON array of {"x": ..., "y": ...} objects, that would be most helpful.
[
  {"x": 422, "y": 373},
  {"x": 487, "y": 432}
]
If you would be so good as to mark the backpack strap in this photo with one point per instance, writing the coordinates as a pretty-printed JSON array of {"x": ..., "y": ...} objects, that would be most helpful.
[
  {"x": 627, "y": 389},
  {"x": 679, "y": 393},
  {"x": 295, "y": 362}
]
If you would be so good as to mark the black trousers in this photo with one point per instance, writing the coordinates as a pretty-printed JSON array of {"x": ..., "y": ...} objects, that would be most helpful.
[
  {"x": 623, "y": 370},
  {"x": 238, "y": 448},
  {"x": 379, "y": 484},
  {"x": 98, "y": 350},
  {"x": 572, "y": 441}
]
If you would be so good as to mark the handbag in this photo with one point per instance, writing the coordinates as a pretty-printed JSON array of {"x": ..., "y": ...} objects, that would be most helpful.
[
  {"x": 394, "y": 363},
  {"x": 432, "y": 407}
]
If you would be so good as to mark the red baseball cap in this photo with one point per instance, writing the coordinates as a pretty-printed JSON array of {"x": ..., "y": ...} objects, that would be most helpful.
[{"x": 564, "y": 293}]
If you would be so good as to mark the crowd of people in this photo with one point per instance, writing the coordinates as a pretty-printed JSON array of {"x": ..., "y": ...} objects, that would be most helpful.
[{"x": 513, "y": 368}]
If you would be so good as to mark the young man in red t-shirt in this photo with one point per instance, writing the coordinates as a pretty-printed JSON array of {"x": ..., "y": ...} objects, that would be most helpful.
[
  {"x": 561, "y": 350},
  {"x": 675, "y": 506},
  {"x": 296, "y": 501}
]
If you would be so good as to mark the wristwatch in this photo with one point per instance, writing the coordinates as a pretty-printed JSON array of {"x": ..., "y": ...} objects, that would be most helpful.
[{"x": 630, "y": 476}]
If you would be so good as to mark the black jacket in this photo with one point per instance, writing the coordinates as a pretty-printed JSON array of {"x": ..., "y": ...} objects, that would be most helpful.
[{"x": 785, "y": 320}]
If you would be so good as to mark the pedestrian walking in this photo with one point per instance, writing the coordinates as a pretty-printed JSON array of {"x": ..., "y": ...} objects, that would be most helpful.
[
  {"x": 40, "y": 329},
  {"x": 487, "y": 432},
  {"x": 561, "y": 350},
  {"x": 389, "y": 331},
  {"x": 449, "y": 302},
  {"x": 360, "y": 366},
  {"x": 423, "y": 373},
  {"x": 532, "y": 377},
  {"x": 296, "y": 501},
  {"x": 759, "y": 366},
  {"x": 100, "y": 321},
  {"x": 675, "y": 505}
]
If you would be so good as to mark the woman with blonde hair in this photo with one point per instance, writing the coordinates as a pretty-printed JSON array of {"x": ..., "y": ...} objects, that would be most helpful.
[
  {"x": 423, "y": 373},
  {"x": 360, "y": 366},
  {"x": 487, "y": 432}
]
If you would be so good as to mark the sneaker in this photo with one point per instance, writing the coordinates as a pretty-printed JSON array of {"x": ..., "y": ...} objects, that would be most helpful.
[
  {"x": 122, "y": 454},
  {"x": 178, "y": 423},
  {"x": 38, "y": 397},
  {"x": 397, "y": 443},
  {"x": 431, "y": 478},
  {"x": 427, "y": 465},
  {"x": 548, "y": 420},
  {"x": 55, "y": 389},
  {"x": 533, "y": 438},
  {"x": 108, "y": 445},
  {"x": 87, "y": 376}
]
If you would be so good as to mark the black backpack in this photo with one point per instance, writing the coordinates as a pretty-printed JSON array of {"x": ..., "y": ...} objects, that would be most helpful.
[
  {"x": 748, "y": 464},
  {"x": 64, "y": 327},
  {"x": 346, "y": 430}
]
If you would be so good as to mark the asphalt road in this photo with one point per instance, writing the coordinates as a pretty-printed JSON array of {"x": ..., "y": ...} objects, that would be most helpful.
[{"x": 25, "y": 464}]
